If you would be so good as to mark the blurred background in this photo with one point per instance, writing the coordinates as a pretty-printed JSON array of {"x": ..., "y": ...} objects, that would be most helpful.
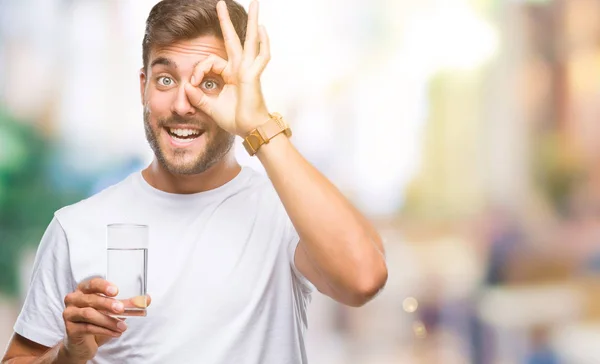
[{"x": 468, "y": 131}]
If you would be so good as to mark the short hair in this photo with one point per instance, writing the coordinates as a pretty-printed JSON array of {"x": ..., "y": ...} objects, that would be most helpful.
[{"x": 170, "y": 21}]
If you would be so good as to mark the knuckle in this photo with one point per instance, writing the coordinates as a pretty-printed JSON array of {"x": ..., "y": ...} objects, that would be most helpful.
[
  {"x": 88, "y": 300},
  {"x": 106, "y": 303},
  {"x": 96, "y": 284},
  {"x": 86, "y": 328},
  {"x": 87, "y": 313},
  {"x": 85, "y": 285},
  {"x": 66, "y": 315},
  {"x": 70, "y": 298},
  {"x": 67, "y": 299},
  {"x": 69, "y": 313}
]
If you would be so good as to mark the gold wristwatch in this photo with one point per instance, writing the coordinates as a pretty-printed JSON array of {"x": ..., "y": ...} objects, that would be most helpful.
[{"x": 264, "y": 133}]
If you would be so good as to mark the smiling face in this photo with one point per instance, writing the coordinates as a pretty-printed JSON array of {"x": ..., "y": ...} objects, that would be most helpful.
[{"x": 184, "y": 139}]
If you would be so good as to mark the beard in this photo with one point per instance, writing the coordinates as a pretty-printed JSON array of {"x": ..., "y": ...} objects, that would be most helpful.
[{"x": 218, "y": 144}]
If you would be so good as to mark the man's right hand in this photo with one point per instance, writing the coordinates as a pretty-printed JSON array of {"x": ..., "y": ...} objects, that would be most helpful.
[
  {"x": 87, "y": 322},
  {"x": 86, "y": 318}
]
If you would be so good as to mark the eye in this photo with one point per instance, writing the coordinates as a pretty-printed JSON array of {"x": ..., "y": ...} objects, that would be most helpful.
[
  {"x": 209, "y": 85},
  {"x": 165, "y": 81}
]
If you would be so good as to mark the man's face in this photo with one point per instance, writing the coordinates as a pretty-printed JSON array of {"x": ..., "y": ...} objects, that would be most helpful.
[{"x": 184, "y": 139}]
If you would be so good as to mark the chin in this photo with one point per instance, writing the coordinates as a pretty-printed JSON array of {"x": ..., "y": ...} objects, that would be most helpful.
[{"x": 187, "y": 168}]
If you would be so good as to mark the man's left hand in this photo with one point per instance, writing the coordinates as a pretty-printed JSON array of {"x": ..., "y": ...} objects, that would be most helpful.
[{"x": 239, "y": 107}]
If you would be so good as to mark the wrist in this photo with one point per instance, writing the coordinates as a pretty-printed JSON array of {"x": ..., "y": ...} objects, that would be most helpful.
[
  {"x": 277, "y": 146},
  {"x": 273, "y": 127},
  {"x": 65, "y": 357},
  {"x": 247, "y": 128}
]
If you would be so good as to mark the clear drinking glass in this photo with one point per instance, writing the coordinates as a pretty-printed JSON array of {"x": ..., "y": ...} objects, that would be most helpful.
[{"x": 127, "y": 257}]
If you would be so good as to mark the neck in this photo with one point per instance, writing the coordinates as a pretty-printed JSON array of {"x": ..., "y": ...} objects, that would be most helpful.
[{"x": 217, "y": 175}]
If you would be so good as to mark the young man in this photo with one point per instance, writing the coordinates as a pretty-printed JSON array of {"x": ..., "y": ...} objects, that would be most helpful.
[{"x": 233, "y": 256}]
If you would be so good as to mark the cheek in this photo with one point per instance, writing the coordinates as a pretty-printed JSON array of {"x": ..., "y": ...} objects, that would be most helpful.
[{"x": 158, "y": 103}]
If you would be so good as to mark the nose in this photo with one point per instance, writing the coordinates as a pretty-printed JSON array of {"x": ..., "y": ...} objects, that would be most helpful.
[{"x": 181, "y": 104}]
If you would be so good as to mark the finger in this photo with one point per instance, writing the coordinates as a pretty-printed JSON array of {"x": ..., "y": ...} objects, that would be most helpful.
[
  {"x": 264, "y": 56},
  {"x": 75, "y": 329},
  {"x": 100, "y": 303},
  {"x": 136, "y": 306},
  {"x": 91, "y": 316},
  {"x": 252, "y": 38},
  {"x": 212, "y": 63},
  {"x": 233, "y": 46},
  {"x": 197, "y": 98},
  {"x": 137, "y": 302},
  {"x": 98, "y": 285}
]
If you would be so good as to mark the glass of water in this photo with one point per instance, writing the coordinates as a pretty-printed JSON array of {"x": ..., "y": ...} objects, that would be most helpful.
[{"x": 127, "y": 257}]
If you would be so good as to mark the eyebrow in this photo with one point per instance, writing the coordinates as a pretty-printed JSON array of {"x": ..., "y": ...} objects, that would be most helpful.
[{"x": 163, "y": 61}]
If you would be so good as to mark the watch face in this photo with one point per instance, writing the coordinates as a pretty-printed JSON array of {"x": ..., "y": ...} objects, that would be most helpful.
[
  {"x": 262, "y": 134},
  {"x": 252, "y": 142}
]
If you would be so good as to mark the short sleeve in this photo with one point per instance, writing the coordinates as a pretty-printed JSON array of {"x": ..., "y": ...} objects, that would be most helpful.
[
  {"x": 41, "y": 319},
  {"x": 292, "y": 239}
]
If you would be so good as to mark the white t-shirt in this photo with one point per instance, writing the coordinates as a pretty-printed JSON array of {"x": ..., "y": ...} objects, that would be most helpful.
[{"x": 220, "y": 272}]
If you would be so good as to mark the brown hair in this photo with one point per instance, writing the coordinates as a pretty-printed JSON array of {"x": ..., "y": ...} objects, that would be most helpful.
[{"x": 174, "y": 20}]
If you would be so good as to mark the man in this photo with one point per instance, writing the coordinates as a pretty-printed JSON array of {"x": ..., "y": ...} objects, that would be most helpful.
[{"x": 233, "y": 256}]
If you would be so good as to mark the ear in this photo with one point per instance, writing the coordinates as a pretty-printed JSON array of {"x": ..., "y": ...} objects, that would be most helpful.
[{"x": 143, "y": 80}]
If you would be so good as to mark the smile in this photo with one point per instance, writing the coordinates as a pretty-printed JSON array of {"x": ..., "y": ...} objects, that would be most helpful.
[{"x": 183, "y": 136}]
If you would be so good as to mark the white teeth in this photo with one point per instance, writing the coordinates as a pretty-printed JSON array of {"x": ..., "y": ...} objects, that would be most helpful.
[
  {"x": 184, "y": 132},
  {"x": 183, "y": 141}
]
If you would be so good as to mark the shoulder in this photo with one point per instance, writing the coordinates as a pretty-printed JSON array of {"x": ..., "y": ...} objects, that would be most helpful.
[
  {"x": 254, "y": 198},
  {"x": 259, "y": 191},
  {"x": 262, "y": 194},
  {"x": 259, "y": 184},
  {"x": 95, "y": 204},
  {"x": 83, "y": 226}
]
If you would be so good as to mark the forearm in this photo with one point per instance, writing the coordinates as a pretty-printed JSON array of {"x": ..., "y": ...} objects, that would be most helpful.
[
  {"x": 55, "y": 355},
  {"x": 339, "y": 240}
]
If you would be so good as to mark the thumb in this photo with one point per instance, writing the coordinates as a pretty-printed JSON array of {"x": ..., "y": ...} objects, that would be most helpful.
[
  {"x": 197, "y": 98},
  {"x": 138, "y": 302}
]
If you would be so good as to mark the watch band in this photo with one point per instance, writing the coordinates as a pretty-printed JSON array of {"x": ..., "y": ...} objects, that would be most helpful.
[{"x": 265, "y": 132}]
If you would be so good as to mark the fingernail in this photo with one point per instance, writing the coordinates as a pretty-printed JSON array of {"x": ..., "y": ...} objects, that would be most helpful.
[
  {"x": 140, "y": 301},
  {"x": 193, "y": 80},
  {"x": 111, "y": 290},
  {"x": 121, "y": 326},
  {"x": 117, "y": 306}
]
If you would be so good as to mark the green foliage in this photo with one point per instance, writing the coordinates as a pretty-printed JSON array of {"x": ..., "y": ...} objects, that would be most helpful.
[{"x": 27, "y": 197}]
